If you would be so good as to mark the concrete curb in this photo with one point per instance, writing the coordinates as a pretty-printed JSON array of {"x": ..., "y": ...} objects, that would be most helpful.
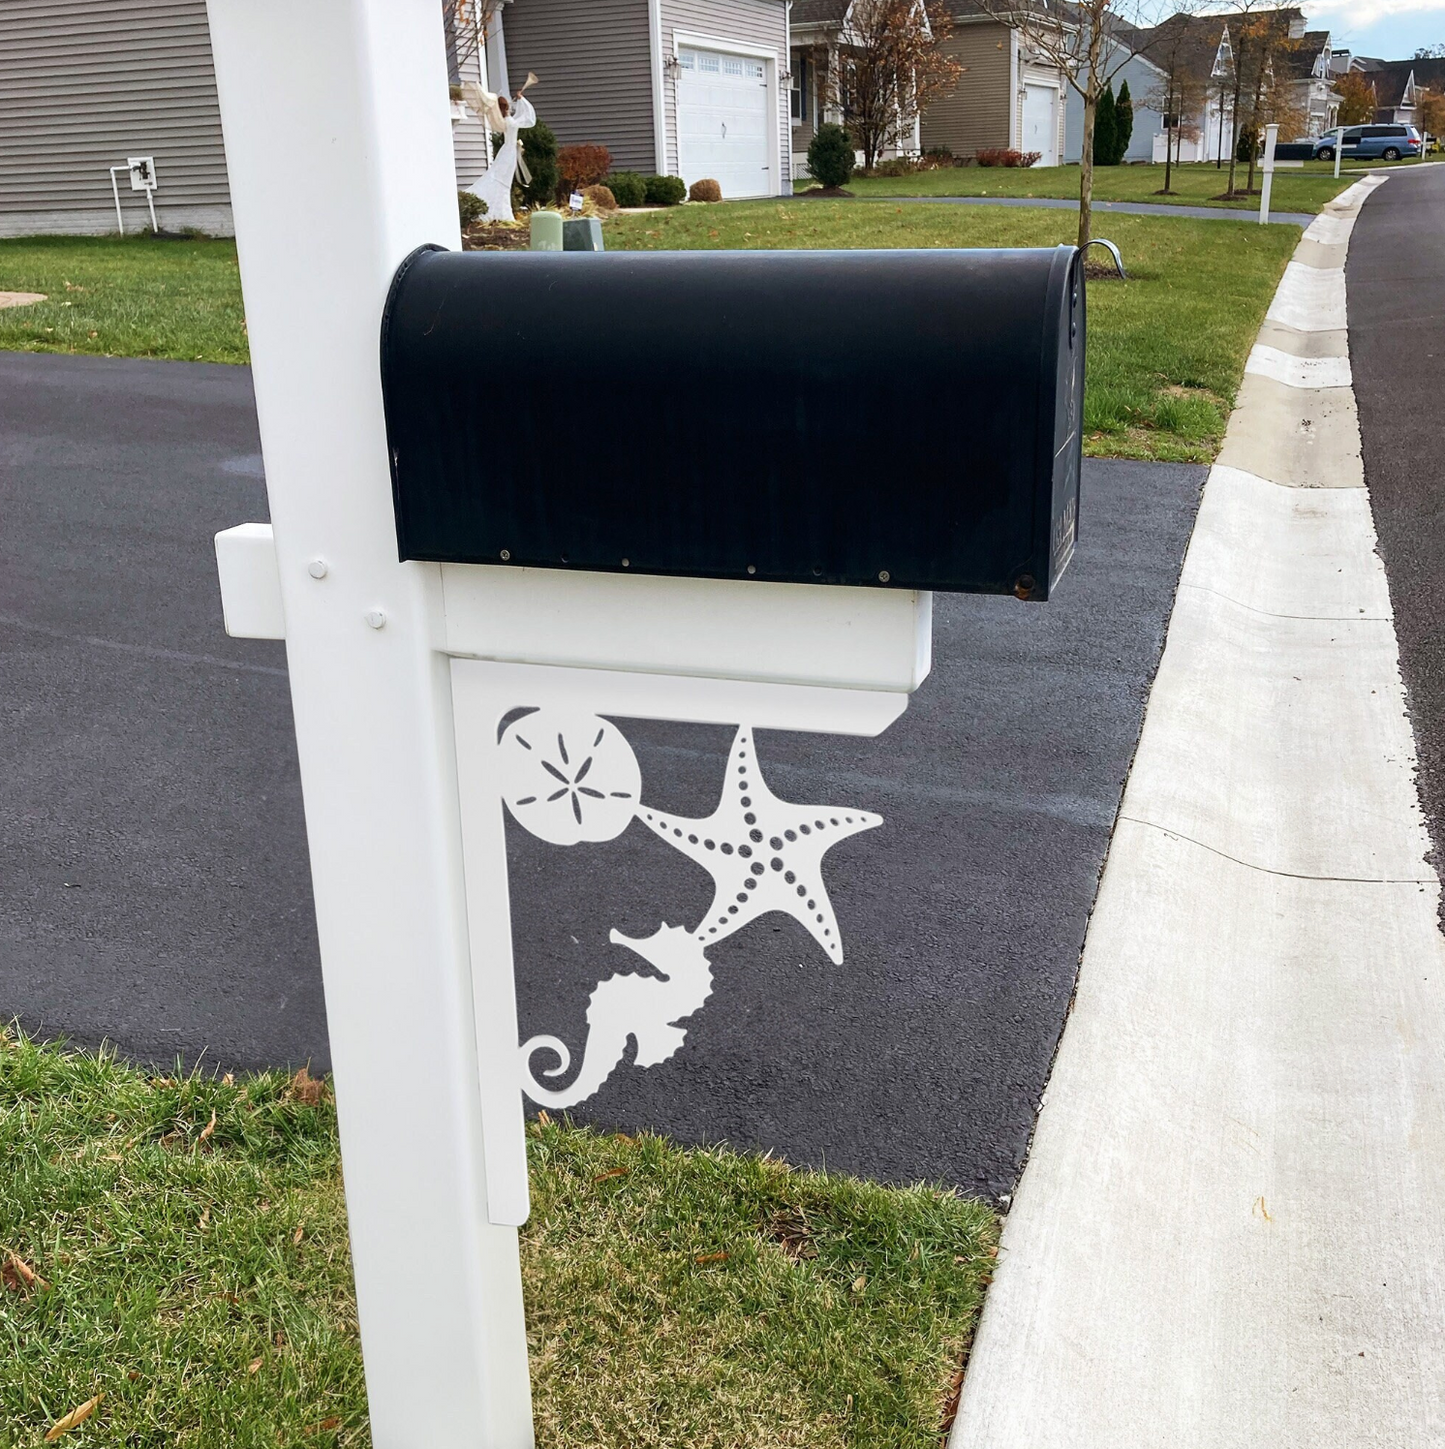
[{"x": 1228, "y": 1233}]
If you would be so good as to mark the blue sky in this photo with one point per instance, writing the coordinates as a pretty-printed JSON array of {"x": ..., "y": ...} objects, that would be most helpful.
[{"x": 1390, "y": 29}]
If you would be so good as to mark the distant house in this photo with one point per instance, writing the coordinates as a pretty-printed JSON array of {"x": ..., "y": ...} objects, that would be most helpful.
[
  {"x": 1010, "y": 95},
  {"x": 1398, "y": 84},
  {"x": 84, "y": 87},
  {"x": 690, "y": 88},
  {"x": 1203, "y": 47}
]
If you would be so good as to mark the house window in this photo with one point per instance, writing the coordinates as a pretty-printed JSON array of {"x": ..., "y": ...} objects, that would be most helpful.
[{"x": 801, "y": 93}]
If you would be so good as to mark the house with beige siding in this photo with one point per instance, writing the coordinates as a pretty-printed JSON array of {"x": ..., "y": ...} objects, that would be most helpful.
[
  {"x": 690, "y": 88},
  {"x": 1007, "y": 96},
  {"x": 1010, "y": 94}
]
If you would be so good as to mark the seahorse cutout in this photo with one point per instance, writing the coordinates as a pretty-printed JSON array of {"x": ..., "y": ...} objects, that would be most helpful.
[{"x": 624, "y": 1006}]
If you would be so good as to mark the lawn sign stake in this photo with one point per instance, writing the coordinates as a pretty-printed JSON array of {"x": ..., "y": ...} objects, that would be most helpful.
[{"x": 469, "y": 611}]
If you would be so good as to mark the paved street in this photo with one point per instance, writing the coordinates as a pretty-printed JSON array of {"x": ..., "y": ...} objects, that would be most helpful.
[
  {"x": 155, "y": 874},
  {"x": 1396, "y": 280}
]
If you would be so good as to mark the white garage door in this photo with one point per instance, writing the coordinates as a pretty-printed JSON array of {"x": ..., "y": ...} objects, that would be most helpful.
[
  {"x": 723, "y": 129},
  {"x": 1041, "y": 123}
]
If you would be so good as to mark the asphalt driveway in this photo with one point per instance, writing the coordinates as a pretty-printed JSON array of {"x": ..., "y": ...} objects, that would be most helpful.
[{"x": 154, "y": 889}]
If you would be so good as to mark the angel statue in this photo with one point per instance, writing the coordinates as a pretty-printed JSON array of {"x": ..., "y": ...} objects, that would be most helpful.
[{"x": 507, "y": 117}]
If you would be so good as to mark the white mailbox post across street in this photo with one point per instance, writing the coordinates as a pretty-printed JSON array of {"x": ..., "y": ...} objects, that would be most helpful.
[
  {"x": 407, "y": 675},
  {"x": 1271, "y": 137},
  {"x": 1339, "y": 148}
]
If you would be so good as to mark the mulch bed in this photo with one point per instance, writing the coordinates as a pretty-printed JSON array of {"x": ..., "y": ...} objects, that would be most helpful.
[
  {"x": 495, "y": 236},
  {"x": 824, "y": 193}
]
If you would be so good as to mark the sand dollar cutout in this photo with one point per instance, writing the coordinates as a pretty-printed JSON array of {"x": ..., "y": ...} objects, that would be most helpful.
[{"x": 569, "y": 778}]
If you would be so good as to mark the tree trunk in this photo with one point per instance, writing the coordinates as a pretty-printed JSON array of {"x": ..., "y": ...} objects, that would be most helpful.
[
  {"x": 1086, "y": 171},
  {"x": 1254, "y": 127},
  {"x": 1169, "y": 137},
  {"x": 1233, "y": 132}
]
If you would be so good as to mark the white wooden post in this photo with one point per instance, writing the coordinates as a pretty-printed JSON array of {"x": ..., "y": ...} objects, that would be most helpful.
[
  {"x": 1339, "y": 148},
  {"x": 1271, "y": 136},
  {"x": 338, "y": 147}
]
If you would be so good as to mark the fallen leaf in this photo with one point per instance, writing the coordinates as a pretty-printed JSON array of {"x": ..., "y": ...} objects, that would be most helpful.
[
  {"x": 205, "y": 1217},
  {"x": 254, "y": 1367},
  {"x": 17, "y": 1274},
  {"x": 207, "y": 1130},
  {"x": 75, "y": 1416},
  {"x": 711, "y": 1258},
  {"x": 324, "y": 1426},
  {"x": 611, "y": 1172},
  {"x": 298, "y": 1234},
  {"x": 228, "y": 1080},
  {"x": 132, "y": 1374},
  {"x": 306, "y": 1089},
  {"x": 860, "y": 1282}
]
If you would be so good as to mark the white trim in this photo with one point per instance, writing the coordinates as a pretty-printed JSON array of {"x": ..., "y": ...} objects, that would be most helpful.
[
  {"x": 659, "y": 104},
  {"x": 1016, "y": 94},
  {"x": 695, "y": 40}
]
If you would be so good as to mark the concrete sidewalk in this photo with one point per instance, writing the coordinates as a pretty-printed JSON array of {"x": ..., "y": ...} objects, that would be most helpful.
[{"x": 1228, "y": 1234}]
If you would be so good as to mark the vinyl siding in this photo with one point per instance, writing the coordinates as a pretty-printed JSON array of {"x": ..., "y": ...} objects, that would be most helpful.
[
  {"x": 749, "y": 22},
  {"x": 85, "y": 86},
  {"x": 593, "y": 63},
  {"x": 469, "y": 134},
  {"x": 1143, "y": 80},
  {"x": 977, "y": 113}
]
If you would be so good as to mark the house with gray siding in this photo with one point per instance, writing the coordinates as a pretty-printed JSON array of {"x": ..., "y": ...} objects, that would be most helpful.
[
  {"x": 1146, "y": 81},
  {"x": 690, "y": 88},
  {"x": 84, "y": 87}
]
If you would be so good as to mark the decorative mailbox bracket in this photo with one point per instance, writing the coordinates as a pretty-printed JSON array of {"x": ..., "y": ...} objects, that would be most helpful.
[{"x": 579, "y": 650}]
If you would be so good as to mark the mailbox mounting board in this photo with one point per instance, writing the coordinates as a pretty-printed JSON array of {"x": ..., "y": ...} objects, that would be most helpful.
[{"x": 903, "y": 419}]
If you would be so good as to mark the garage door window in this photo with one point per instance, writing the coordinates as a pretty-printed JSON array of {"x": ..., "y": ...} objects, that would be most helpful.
[{"x": 710, "y": 63}]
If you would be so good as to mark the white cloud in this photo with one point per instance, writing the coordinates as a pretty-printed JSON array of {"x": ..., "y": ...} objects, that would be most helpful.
[{"x": 1361, "y": 13}]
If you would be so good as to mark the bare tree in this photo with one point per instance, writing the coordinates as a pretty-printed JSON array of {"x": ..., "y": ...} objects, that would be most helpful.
[
  {"x": 1273, "y": 101},
  {"x": 891, "y": 63},
  {"x": 1181, "y": 92},
  {"x": 1090, "y": 42},
  {"x": 467, "y": 23}
]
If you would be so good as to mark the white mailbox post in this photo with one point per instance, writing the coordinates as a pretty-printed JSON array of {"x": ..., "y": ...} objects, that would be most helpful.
[
  {"x": 339, "y": 152},
  {"x": 435, "y": 695},
  {"x": 1271, "y": 137}
]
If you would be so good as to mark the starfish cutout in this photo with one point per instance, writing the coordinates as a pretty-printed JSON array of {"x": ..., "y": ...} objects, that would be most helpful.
[{"x": 762, "y": 853}]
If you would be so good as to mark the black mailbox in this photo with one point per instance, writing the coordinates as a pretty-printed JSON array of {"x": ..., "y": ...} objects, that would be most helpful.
[{"x": 906, "y": 419}]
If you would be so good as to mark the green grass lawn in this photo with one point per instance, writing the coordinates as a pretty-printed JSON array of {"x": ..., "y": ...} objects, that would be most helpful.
[
  {"x": 178, "y": 1248},
  {"x": 124, "y": 297},
  {"x": 1195, "y": 184},
  {"x": 1166, "y": 349}
]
